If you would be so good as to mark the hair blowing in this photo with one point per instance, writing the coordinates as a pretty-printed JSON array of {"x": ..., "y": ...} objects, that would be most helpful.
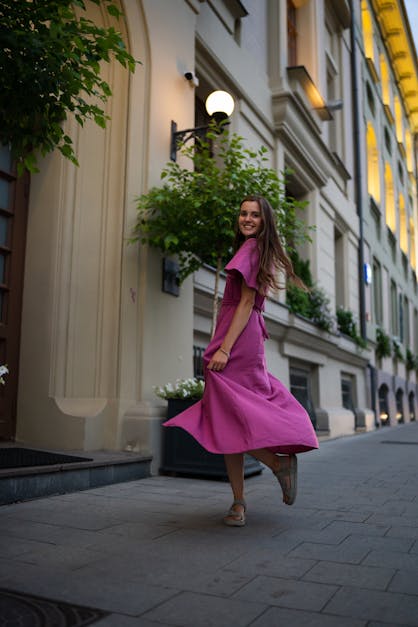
[{"x": 273, "y": 257}]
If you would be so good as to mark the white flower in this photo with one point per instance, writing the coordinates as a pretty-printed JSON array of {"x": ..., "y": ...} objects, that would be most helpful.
[
  {"x": 3, "y": 370},
  {"x": 183, "y": 388}
]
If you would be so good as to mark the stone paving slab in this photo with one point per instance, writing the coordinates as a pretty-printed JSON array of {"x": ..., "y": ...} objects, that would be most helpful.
[{"x": 155, "y": 553}]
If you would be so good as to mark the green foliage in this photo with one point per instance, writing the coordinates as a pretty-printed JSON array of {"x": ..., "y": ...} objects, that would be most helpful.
[
  {"x": 313, "y": 304},
  {"x": 320, "y": 311},
  {"x": 194, "y": 212},
  {"x": 411, "y": 360},
  {"x": 397, "y": 351},
  {"x": 383, "y": 344},
  {"x": 347, "y": 326},
  {"x": 50, "y": 65}
]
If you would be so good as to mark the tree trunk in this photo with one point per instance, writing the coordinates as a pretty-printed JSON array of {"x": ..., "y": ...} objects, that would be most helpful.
[{"x": 216, "y": 295}]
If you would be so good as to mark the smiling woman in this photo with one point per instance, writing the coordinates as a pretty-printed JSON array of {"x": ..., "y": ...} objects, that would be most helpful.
[{"x": 244, "y": 408}]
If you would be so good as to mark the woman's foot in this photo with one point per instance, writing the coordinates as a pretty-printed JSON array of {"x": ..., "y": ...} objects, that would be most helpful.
[
  {"x": 236, "y": 515},
  {"x": 287, "y": 477}
]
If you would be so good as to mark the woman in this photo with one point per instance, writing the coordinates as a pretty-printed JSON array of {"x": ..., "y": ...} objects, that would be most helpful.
[{"x": 244, "y": 408}]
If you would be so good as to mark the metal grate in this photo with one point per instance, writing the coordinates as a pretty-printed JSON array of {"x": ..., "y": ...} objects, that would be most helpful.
[{"x": 27, "y": 610}]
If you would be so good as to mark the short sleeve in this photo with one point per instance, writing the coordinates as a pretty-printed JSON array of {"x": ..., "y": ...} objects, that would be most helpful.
[{"x": 246, "y": 261}]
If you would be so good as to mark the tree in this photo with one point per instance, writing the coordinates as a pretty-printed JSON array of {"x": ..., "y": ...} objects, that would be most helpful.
[
  {"x": 192, "y": 215},
  {"x": 49, "y": 67}
]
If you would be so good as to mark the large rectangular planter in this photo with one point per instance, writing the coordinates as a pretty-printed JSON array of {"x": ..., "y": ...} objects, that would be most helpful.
[{"x": 182, "y": 455}]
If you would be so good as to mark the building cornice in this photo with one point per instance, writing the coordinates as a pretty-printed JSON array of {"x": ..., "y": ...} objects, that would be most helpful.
[{"x": 397, "y": 37}]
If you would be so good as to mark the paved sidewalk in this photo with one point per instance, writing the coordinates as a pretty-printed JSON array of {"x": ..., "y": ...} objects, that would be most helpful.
[{"x": 154, "y": 552}]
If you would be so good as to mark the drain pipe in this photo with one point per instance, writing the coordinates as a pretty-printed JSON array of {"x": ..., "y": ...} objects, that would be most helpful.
[
  {"x": 358, "y": 181},
  {"x": 358, "y": 177}
]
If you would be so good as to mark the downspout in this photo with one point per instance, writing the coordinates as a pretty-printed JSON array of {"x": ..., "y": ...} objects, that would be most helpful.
[
  {"x": 358, "y": 180},
  {"x": 358, "y": 173}
]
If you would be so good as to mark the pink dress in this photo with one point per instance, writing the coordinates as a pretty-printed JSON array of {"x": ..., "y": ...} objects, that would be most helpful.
[{"x": 244, "y": 407}]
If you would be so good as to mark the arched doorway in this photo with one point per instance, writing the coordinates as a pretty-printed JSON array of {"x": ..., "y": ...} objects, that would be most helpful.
[
  {"x": 411, "y": 403},
  {"x": 384, "y": 405},
  {"x": 399, "y": 406}
]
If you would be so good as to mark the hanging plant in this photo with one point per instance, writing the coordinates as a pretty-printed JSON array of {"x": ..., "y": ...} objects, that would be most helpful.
[
  {"x": 347, "y": 325},
  {"x": 397, "y": 351},
  {"x": 383, "y": 344},
  {"x": 411, "y": 360}
]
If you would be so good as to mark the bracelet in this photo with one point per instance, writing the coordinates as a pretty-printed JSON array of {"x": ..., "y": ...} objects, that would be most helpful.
[{"x": 225, "y": 352}]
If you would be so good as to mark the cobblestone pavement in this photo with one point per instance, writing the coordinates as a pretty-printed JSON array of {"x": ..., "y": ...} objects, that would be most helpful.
[{"x": 154, "y": 552}]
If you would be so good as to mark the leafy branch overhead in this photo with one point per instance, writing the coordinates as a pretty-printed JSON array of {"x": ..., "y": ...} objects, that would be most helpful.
[
  {"x": 193, "y": 214},
  {"x": 50, "y": 66}
]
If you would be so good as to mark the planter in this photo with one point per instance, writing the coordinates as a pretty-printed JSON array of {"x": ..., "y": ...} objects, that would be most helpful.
[{"x": 182, "y": 455}]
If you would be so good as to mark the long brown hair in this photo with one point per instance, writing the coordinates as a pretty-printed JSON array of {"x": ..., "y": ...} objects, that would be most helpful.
[{"x": 273, "y": 256}]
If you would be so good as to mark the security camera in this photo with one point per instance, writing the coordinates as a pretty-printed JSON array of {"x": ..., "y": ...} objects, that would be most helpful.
[{"x": 192, "y": 78}]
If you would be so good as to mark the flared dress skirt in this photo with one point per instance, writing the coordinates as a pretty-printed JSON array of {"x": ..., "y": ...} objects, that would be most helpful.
[{"x": 244, "y": 407}]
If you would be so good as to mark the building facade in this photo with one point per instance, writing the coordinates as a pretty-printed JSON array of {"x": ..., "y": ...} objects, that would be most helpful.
[
  {"x": 97, "y": 331},
  {"x": 388, "y": 69}
]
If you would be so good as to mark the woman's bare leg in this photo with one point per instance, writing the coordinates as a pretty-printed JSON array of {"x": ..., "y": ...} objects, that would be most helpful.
[
  {"x": 276, "y": 463},
  {"x": 235, "y": 468},
  {"x": 266, "y": 457}
]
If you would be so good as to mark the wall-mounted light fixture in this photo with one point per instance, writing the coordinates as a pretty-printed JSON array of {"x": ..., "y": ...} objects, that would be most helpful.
[{"x": 219, "y": 105}]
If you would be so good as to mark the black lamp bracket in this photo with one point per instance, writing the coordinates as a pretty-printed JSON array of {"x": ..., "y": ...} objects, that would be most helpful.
[{"x": 181, "y": 137}]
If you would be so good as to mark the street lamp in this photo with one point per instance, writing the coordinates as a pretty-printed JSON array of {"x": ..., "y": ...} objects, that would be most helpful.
[{"x": 219, "y": 105}]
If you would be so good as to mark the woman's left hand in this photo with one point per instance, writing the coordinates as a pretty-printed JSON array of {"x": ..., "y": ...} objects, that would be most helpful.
[{"x": 218, "y": 361}]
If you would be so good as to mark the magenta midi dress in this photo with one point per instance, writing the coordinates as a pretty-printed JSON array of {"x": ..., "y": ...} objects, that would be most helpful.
[{"x": 244, "y": 407}]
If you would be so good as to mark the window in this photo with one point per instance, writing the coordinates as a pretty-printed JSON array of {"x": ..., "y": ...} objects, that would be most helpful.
[
  {"x": 388, "y": 142},
  {"x": 383, "y": 405},
  {"x": 347, "y": 392},
  {"x": 386, "y": 90},
  {"x": 292, "y": 34},
  {"x": 339, "y": 268},
  {"x": 300, "y": 380},
  {"x": 198, "y": 361},
  {"x": 373, "y": 176},
  {"x": 411, "y": 403},
  {"x": 401, "y": 319},
  {"x": 403, "y": 230},
  {"x": 398, "y": 120},
  {"x": 370, "y": 99},
  {"x": 408, "y": 149},
  {"x": 377, "y": 291},
  {"x": 367, "y": 24},
  {"x": 399, "y": 405},
  {"x": 406, "y": 329},
  {"x": 413, "y": 244},
  {"x": 416, "y": 330},
  {"x": 394, "y": 308},
  {"x": 390, "y": 199}
]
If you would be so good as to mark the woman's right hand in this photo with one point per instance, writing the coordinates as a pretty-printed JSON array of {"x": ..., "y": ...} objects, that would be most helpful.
[{"x": 218, "y": 361}]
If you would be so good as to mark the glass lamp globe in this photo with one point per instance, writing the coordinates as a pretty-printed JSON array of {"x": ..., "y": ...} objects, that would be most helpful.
[{"x": 220, "y": 104}]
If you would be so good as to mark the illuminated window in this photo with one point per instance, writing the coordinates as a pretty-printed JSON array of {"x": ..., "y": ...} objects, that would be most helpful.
[
  {"x": 367, "y": 24},
  {"x": 413, "y": 254},
  {"x": 408, "y": 149},
  {"x": 292, "y": 34},
  {"x": 386, "y": 90},
  {"x": 398, "y": 120},
  {"x": 373, "y": 178},
  {"x": 390, "y": 199},
  {"x": 403, "y": 230}
]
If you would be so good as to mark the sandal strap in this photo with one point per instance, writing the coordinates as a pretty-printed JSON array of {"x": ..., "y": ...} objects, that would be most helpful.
[{"x": 239, "y": 502}]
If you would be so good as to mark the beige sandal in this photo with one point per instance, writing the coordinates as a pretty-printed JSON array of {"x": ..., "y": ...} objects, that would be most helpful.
[
  {"x": 287, "y": 477},
  {"x": 234, "y": 518}
]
